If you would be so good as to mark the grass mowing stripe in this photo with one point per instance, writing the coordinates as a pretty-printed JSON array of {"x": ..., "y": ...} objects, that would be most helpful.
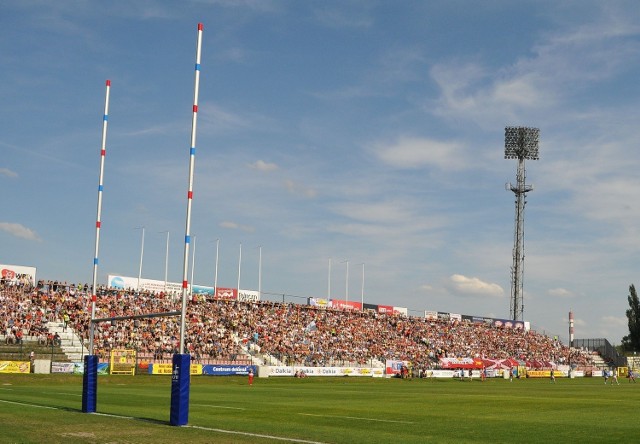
[
  {"x": 231, "y": 432},
  {"x": 219, "y": 406},
  {"x": 532, "y": 411},
  {"x": 356, "y": 417},
  {"x": 62, "y": 393}
]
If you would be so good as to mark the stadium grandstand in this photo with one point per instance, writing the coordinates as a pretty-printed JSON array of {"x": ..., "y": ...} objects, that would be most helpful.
[{"x": 267, "y": 333}]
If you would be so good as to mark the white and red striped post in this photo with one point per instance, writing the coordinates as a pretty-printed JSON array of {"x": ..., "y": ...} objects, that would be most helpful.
[
  {"x": 90, "y": 375},
  {"x": 103, "y": 153},
  {"x": 181, "y": 367},
  {"x": 192, "y": 154}
]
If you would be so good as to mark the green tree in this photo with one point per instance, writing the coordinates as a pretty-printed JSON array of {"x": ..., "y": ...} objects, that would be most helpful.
[{"x": 632, "y": 340}]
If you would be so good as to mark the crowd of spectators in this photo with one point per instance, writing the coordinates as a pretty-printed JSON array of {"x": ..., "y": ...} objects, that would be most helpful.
[
  {"x": 292, "y": 333},
  {"x": 19, "y": 316}
]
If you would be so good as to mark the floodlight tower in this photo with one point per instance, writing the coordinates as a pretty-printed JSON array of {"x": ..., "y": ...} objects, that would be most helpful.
[{"x": 519, "y": 143}]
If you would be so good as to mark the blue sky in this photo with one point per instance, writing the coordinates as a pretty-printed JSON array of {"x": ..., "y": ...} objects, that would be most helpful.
[{"x": 367, "y": 131}]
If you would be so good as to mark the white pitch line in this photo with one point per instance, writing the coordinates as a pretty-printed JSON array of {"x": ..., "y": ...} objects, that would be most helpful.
[
  {"x": 219, "y": 406},
  {"x": 30, "y": 405},
  {"x": 358, "y": 418},
  {"x": 255, "y": 435}
]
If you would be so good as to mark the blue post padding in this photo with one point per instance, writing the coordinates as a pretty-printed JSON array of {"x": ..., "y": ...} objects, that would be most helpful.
[
  {"x": 180, "y": 379},
  {"x": 90, "y": 384}
]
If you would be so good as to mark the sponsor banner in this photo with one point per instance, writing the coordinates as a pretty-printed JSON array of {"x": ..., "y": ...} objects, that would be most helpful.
[
  {"x": 438, "y": 373},
  {"x": 373, "y": 307},
  {"x": 388, "y": 309},
  {"x": 400, "y": 310},
  {"x": 504, "y": 323},
  {"x": 102, "y": 368},
  {"x": 320, "y": 302},
  {"x": 15, "y": 367},
  {"x": 18, "y": 274},
  {"x": 491, "y": 373},
  {"x": 456, "y": 374},
  {"x": 123, "y": 362},
  {"x": 155, "y": 286},
  {"x": 545, "y": 374},
  {"x": 62, "y": 367},
  {"x": 431, "y": 315},
  {"x": 326, "y": 371},
  {"x": 226, "y": 294},
  {"x": 202, "y": 290},
  {"x": 228, "y": 370},
  {"x": 248, "y": 296},
  {"x": 508, "y": 324},
  {"x": 466, "y": 363},
  {"x": 478, "y": 319},
  {"x": 393, "y": 367},
  {"x": 280, "y": 370},
  {"x": 167, "y": 369},
  {"x": 345, "y": 305}
]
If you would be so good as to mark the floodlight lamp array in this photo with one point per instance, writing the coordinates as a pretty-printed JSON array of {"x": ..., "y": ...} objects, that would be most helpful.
[{"x": 521, "y": 142}]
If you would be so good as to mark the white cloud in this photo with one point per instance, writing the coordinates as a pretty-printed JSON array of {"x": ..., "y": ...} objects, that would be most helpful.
[
  {"x": 475, "y": 286},
  {"x": 559, "y": 66},
  {"x": 222, "y": 119},
  {"x": 413, "y": 152},
  {"x": 214, "y": 119},
  {"x": 261, "y": 165},
  {"x": 615, "y": 320},
  {"x": 19, "y": 230},
  {"x": 560, "y": 293},
  {"x": 8, "y": 173},
  {"x": 377, "y": 212},
  {"x": 355, "y": 17},
  {"x": 299, "y": 189},
  {"x": 236, "y": 226},
  {"x": 251, "y": 5}
]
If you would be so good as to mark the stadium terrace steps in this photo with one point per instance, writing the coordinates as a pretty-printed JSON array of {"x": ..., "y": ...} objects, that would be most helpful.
[
  {"x": 70, "y": 343},
  {"x": 21, "y": 352},
  {"x": 633, "y": 362},
  {"x": 598, "y": 361},
  {"x": 250, "y": 351}
]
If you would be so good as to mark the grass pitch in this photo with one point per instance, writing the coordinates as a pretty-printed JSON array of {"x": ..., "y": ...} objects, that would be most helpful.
[{"x": 47, "y": 408}]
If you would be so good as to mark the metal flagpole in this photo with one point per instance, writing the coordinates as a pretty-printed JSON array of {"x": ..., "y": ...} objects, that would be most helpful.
[
  {"x": 239, "y": 266},
  {"x": 141, "y": 257},
  {"x": 260, "y": 272},
  {"x": 215, "y": 278},
  {"x": 362, "y": 292},
  {"x": 329, "y": 282},
  {"x": 166, "y": 265},
  {"x": 193, "y": 267}
]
